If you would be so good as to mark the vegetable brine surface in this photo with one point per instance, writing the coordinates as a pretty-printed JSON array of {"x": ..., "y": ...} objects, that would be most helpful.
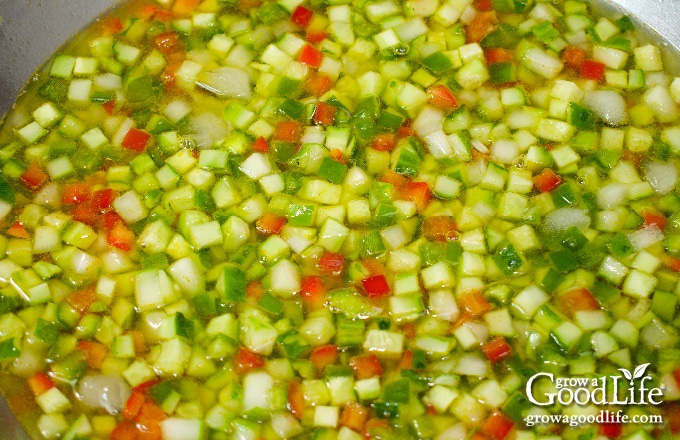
[{"x": 312, "y": 220}]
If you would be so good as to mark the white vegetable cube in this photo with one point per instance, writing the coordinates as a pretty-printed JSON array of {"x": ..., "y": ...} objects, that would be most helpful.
[
  {"x": 176, "y": 428},
  {"x": 646, "y": 262},
  {"x": 648, "y": 58},
  {"x": 437, "y": 276},
  {"x": 639, "y": 284},
  {"x": 257, "y": 391},
  {"x": 490, "y": 393},
  {"x": 257, "y": 165},
  {"x": 272, "y": 184},
  {"x": 53, "y": 401},
  {"x": 368, "y": 389},
  {"x": 613, "y": 270},
  {"x": 529, "y": 300},
  {"x": 442, "y": 305},
  {"x": 499, "y": 322},
  {"x": 47, "y": 114},
  {"x": 187, "y": 73},
  {"x": 79, "y": 91},
  {"x": 384, "y": 342},
  {"x": 130, "y": 206},
  {"x": 326, "y": 416},
  {"x": 46, "y": 239},
  {"x": 440, "y": 397},
  {"x": 284, "y": 277}
]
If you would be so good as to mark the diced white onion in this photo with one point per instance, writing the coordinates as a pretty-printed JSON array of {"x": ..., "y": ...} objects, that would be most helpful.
[
  {"x": 608, "y": 105},
  {"x": 612, "y": 195},
  {"x": 109, "y": 392},
  {"x": 226, "y": 82},
  {"x": 662, "y": 176},
  {"x": 645, "y": 237},
  {"x": 206, "y": 129},
  {"x": 428, "y": 121},
  {"x": 562, "y": 219}
]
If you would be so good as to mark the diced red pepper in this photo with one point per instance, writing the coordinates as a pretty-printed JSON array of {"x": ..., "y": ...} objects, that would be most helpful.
[
  {"x": 365, "y": 366},
  {"x": 384, "y": 142},
  {"x": 440, "y": 228},
  {"x": 134, "y": 404},
  {"x": 483, "y": 5},
  {"x": 652, "y": 217},
  {"x": 316, "y": 36},
  {"x": 136, "y": 139},
  {"x": 270, "y": 224},
  {"x": 474, "y": 304},
  {"x": 246, "y": 361},
  {"x": 17, "y": 230},
  {"x": 84, "y": 212},
  {"x": 498, "y": 55},
  {"x": 310, "y": 56},
  {"x": 288, "y": 131},
  {"x": 121, "y": 237},
  {"x": 149, "y": 420},
  {"x": 417, "y": 192},
  {"x": 376, "y": 286},
  {"x": 331, "y": 263},
  {"x": 497, "y": 426},
  {"x": 573, "y": 56},
  {"x": 76, "y": 193},
  {"x": 672, "y": 263},
  {"x": 324, "y": 113},
  {"x": 254, "y": 290},
  {"x": 167, "y": 42},
  {"x": 390, "y": 176},
  {"x": 125, "y": 430},
  {"x": 575, "y": 300},
  {"x": 375, "y": 425},
  {"x": 592, "y": 70},
  {"x": 405, "y": 130},
  {"x": 546, "y": 180},
  {"x": 441, "y": 97},
  {"x": 354, "y": 416},
  {"x": 480, "y": 26},
  {"x": 110, "y": 219},
  {"x": 610, "y": 429},
  {"x": 109, "y": 106},
  {"x": 409, "y": 330},
  {"x": 95, "y": 353},
  {"x": 317, "y": 84},
  {"x": 301, "y": 16},
  {"x": 497, "y": 349},
  {"x": 296, "y": 399},
  {"x": 260, "y": 145},
  {"x": 153, "y": 12},
  {"x": 312, "y": 291},
  {"x": 40, "y": 383},
  {"x": 185, "y": 7},
  {"x": 406, "y": 361},
  {"x": 103, "y": 198},
  {"x": 82, "y": 299},
  {"x": 672, "y": 415},
  {"x": 336, "y": 155},
  {"x": 34, "y": 177},
  {"x": 111, "y": 26},
  {"x": 324, "y": 356}
]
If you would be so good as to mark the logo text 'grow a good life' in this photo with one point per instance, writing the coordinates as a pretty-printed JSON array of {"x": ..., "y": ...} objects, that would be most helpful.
[{"x": 605, "y": 390}]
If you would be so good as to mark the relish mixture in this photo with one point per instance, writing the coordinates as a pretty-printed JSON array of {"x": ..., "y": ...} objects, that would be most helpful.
[{"x": 344, "y": 219}]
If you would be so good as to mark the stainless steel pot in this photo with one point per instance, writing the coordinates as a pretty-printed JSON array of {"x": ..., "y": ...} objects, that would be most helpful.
[{"x": 31, "y": 30}]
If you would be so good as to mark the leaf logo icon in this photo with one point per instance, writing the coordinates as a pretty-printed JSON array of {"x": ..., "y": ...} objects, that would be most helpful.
[
  {"x": 640, "y": 371},
  {"x": 636, "y": 374},
  {"x": 627, "y": 374}
]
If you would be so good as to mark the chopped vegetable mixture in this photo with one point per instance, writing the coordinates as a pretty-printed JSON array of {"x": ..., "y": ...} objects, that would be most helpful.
[{"x": 343, "y": 219}]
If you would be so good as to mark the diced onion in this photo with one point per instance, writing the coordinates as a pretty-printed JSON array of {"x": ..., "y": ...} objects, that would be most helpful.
[
  {"x": 226, "y": 82},
  {"x": 207, "y": 129},
  {"x": 612, "y": 195},
  {"x": 109, "y": 392},
  {"x": 608, "y": 105},
  {"x": 645, "y": 237},
  {"x": 562, "y": 219},
  {"x": 662, "y": 176}
]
